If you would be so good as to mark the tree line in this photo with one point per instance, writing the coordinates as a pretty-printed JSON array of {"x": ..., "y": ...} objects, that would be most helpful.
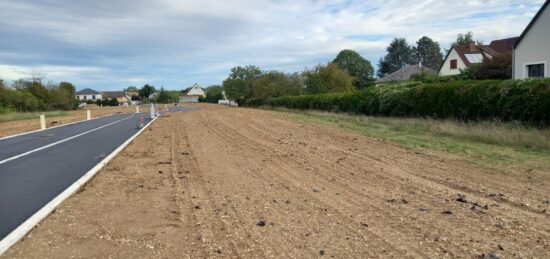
[{"x": 35, "y": 95}]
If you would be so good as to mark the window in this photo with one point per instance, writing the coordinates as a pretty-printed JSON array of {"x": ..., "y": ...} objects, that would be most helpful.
[
  {"x": 84, "y": 97},
  {"x": 535, "y": 70},
  {"x": 454, "y": 64},
  {"x": 93, "y": 97}
]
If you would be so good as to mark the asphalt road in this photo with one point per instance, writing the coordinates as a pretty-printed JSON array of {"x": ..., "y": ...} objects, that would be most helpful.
[{"x": 36, "y": 167}]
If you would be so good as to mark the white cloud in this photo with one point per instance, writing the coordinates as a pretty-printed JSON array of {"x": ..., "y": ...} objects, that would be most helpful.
[{"x": 175, "y": 43}]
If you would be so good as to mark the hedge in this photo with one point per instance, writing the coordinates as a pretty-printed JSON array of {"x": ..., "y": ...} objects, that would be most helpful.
[{"x": 526, "y": 101}]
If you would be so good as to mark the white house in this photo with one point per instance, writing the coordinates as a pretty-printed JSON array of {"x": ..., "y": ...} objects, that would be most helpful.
[
  {"x": 193, "y": 95},
  {"x": 531, "y": 56},
  {"x": 462, "y": 56},
  {"x": 88, "y": 94}
]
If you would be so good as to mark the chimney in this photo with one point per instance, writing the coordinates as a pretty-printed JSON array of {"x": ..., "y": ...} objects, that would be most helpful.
[{"x": 472, "y": 46}]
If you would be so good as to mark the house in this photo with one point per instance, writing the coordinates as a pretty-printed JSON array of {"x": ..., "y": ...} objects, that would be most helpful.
[
  {"x": 462, "y": 56},
  {"x": 404, "y": 74},
  {"x": 133, "y": 97},
  {"x": 193, "y": 94},
  {"x": 88, "y": 94},
  {"x": 119, "y": 95},
  {"x": 531, "y": 52}
]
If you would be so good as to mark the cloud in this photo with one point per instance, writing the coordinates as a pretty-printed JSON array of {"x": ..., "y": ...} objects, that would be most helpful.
[{"x": 172, "y": 43}]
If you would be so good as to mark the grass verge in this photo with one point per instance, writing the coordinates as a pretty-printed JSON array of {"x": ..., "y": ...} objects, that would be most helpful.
[
  {"x": 491, "y": 144},
  {"x": 15, "y": 116}
]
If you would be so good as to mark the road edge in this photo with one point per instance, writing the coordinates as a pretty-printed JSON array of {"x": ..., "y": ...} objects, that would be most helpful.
[{"x": 22, "y": 230}]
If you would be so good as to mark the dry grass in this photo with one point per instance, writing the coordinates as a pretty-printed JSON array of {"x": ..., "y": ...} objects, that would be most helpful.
[
  {"x": 493, "y": 144},
  {"x": 15, "y": 116}
]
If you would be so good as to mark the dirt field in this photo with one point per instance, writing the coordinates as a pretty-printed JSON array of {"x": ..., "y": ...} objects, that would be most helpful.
[
  {"x": 240, "y": 183},
  {"x": 21, "y": 126}
]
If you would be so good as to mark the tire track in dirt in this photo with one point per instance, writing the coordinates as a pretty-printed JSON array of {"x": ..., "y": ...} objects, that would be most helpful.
[{"x": 398, "y": 174}]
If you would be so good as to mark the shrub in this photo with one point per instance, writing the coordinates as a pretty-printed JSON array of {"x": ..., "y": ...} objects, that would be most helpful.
[{"x": 526, "y": 101}]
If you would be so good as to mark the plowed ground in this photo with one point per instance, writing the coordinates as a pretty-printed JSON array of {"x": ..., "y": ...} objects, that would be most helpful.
[{"x": 242, "y": 183}]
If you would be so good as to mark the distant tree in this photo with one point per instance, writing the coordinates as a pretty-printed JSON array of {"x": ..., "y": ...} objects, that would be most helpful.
[
  {"x": 163, "y": 96},
  {"x": 213, "y": 94},
  {"x": 238, "y": 85},
  {"x": 399, "y": 55},
  {"x": 357, "y": 66},
  {"x": 466, "y": 39},
  {"x": 131, "y": 89},
  {"x": 275, "y": 84},
  {"x": 146, "y": 90},
  {"x": 499, "y": 67},
  {"x": 328, "y": 79},
  {"x": 428, "y": 53},
  {"x": 62, "y": 96}
]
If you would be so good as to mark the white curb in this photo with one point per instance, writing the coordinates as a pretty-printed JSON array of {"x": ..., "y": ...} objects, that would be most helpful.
[{"x": 41, "y": 214}]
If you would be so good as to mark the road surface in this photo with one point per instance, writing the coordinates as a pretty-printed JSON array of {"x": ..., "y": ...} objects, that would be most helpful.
[{"x": 36, "y": 167}]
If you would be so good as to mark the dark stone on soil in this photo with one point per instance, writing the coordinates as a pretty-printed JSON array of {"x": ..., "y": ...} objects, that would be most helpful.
[
  {"x": 185, "y": 153},
  {"x": 321, "y": 252},
  {"x": 261, "y": 223},
  {"x": 404, "y": 201},
  {"x": 165, "y": 163},
  {"x": 423, "y": 209},
  {"x": 219, "y": 251},
  {"x": 160, "y": 172},
  {"x": 461, "y": 198},
  {"x": 490, "y": 256},
  {"x": 197, "y": 207},
  {"x": 316, "y": 190},
  {"x": 500, "y": 247},
  {"x": 365, "y": 225},
  {"x": 447, "y": 212}
]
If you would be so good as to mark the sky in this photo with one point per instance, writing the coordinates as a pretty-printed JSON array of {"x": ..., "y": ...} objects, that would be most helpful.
[{"x": 109, "y": 45}]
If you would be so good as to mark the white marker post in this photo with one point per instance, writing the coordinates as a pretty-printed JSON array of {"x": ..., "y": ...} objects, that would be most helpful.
[
  {"x": 42, "y": 121},
  {"x": 137, "y": 109},
  {"x": 88, "y": 115},
  {"x": 166, "y": 107},
  {"x": 152, "y": 111}
]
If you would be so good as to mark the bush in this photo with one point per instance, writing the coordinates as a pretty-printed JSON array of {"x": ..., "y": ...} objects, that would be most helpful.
[{"x": 526, "y": 101}]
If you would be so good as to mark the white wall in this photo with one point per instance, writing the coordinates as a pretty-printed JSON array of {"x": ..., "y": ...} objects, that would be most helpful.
[
  {"x": 446, "y": 68},
  {"x": 534, "y": 47}
]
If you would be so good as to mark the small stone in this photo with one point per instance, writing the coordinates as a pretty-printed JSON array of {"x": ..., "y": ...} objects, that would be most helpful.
[
  {"x": 197, "y": 207},
  {"x": 461, "y": 198},
  {"x": 423, "y": 209},
  {"x": 261, "y": 223},
  {"x": 321, "y": 252},
  {"x": 447, "y": 212},
  {"x": 316, "y": 190},
  {"x": 160, "y": 172},
  {"x": 490, "y": 256},
  {"x": 365, "y": 225}
]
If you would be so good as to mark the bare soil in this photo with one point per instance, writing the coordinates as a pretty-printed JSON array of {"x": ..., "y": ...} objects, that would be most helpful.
[
  {"x": 242, "y": 183},
  {"x": 21, "y": 126}
]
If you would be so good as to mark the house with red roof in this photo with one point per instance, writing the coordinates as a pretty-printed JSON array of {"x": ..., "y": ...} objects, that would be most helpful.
[{"x": 462, "y": 56}]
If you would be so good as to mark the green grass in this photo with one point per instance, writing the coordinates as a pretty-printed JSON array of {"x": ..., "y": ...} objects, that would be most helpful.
[
  {"x": 15, "y": 116},
  {"x": 491, "y": 144}
]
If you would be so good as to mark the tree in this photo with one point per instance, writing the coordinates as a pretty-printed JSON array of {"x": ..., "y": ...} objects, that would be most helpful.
[
  {"x": 131, "y": 89},
  {"x": 358, "y": 67},
  {"x": 275, "y": 84},
  {"x": 213, "y": 94},
  {"x": 428, "y": 53},
  {"x": 163, "y": 96},
  {"x": 146, "y": 90},
  {"x": 328, "y": 79},
  {"x": 399, "y": 55},
  {"x": 466, "y": 39},
  {"x": 499, "y": 67},
  {"x": 238, "y": 85}
]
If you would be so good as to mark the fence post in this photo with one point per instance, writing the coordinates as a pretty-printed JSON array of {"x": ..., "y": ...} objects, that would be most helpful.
[
  {"x": 42, "y": 121},
  {"x": 88, "y": 115},
  {"x": 137, "y": 109},
  {"x": 152, "y": 111}
]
